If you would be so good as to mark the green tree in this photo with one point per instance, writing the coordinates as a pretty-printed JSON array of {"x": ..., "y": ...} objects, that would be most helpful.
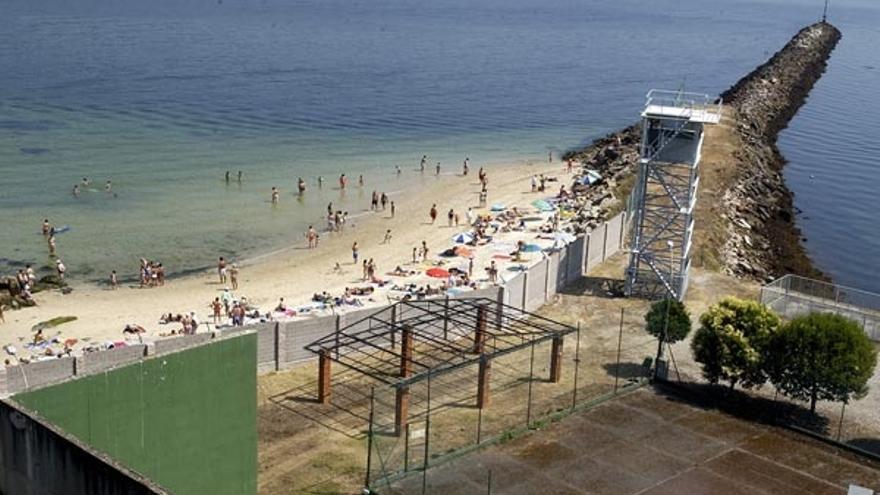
[
  {"x": 821, "y": 356},
  {"x": 669, "y": 321},
  {"x": 731, "y": 341}
]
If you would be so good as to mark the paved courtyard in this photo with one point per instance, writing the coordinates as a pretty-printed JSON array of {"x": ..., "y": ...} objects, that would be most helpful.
[{"x": 652, "y": 444}]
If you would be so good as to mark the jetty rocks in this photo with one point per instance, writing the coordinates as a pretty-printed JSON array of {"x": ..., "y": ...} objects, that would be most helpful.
[{"x": 761, "y": 240}]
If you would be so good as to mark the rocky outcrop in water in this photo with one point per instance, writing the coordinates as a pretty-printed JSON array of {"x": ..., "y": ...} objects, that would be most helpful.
[{"x": 759, "y": 205}]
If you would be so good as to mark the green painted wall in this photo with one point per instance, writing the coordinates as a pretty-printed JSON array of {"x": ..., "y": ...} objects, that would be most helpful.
[{"x": 186, "y": 420}]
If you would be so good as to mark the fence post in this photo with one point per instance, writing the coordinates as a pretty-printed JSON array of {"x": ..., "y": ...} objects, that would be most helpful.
[
  {"x": 279, "y": 345},
  {"x": 427, "y": 439},
  {"x": 531, "y": 379},
  {"x": 619, "y": 340},
  {"x": 577, "y": 365},
  {"x": 546, "y": 278},
  {"x": 370, "y": 438},
  {"x": 525, "y": 290},
  {"x": 604, "y": 240},
  {"x": 622, "y": 230},
  {"x": 446, "y": 317},
  {"x": 586, "y": 263}
]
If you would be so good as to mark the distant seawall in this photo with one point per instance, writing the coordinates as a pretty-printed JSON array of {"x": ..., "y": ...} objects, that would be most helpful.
[{"x": 761, "y": 240}]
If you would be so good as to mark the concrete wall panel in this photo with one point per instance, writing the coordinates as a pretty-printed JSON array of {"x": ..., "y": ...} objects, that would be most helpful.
[
  {"x": 514, "y": 291},
  {"x": 537, "y": 282},
  {"x": 174, "y": 344},
  {"x": 553, "y": 275},
  {"x": 94, "y": 362},
  {"x": 576, "y": 256},
  {"x": 38, "y": 374}
]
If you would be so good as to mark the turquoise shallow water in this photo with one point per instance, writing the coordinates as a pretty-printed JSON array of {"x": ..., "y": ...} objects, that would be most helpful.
[{"x": 164, "y": 97}]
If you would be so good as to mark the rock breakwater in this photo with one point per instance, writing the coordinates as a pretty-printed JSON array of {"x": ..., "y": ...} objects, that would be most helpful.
[{"x": 758, "y": 235}]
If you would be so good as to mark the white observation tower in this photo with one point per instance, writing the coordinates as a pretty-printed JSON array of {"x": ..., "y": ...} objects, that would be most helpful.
[{"x": 666, "y": 192}]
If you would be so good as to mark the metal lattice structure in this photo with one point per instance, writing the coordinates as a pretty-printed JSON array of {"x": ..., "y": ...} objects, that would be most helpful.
[
  {"x": 415, "y": 341},
  {"x": 666, "y": 192},
  {"x": 447, "y": 334}
]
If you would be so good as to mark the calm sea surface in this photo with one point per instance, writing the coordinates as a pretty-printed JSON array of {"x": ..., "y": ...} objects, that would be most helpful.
[{"x": 163, "y": 97}]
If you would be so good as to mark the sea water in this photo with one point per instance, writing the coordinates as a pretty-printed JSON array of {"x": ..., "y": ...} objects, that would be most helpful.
[{"x": 163, "y": 97}]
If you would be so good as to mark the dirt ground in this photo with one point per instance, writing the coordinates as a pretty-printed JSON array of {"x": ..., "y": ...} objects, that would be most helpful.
[
  {"x": 652, "y": 444},
  {"x": 309, "y": 448}
]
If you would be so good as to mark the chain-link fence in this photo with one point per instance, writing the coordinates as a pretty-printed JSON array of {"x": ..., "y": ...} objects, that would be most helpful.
[{"x": 446, "y": 420}]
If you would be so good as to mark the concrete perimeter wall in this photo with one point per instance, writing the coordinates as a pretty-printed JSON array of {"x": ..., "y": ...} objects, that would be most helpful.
[
  {"x": 185, "y": 419},
  {"x": 280, "y": 345},
  {"x": 37, "y": 459}
]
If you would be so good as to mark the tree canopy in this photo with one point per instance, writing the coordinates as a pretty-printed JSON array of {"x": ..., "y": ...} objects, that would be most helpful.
[
  {"x": 678, "y": 325},
  {"x": 821, "y": 356},
  {"x": 731, "y": 340}
]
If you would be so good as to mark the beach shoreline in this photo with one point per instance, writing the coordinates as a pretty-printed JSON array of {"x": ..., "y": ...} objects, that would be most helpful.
[{"x": 293, "y": 272}]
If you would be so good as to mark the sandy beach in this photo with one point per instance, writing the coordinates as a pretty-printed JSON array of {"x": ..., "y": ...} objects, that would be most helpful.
[{"x": 297, "y": 272}]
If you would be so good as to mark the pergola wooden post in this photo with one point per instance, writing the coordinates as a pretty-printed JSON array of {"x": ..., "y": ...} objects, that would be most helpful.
[
  {"x": 483, "y": 381},
  {"x": 556, "y": 359},
  {"x": 324, "y": 376},
  {"x": 480, "y": 329}
]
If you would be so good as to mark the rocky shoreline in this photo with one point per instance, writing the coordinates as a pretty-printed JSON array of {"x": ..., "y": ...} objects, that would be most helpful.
[{"x": 761, "y": 238}]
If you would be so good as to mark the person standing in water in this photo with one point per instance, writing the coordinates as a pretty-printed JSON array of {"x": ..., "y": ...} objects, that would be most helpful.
[
  {"x": 47, "y": 227},
  {"x": 108, "y": 187},
  {"x": 361, "y": 180},
  {"x": 466, "y": 167},
  {"x": 114, "y": 280},
  {"x": 423, "y": 162},
  {"x": 62, "y": 270},
  {"x": 312, "y": 237},
  {"x": 437, "y": 170},
  {"x": 239, "y": 176},
  {"x": 301, "y": 185},
  {"x": 320, "y": 182},
  {"x": 51, "y": 242},
  {"x": 227, "y": 176},
  {"x": 342, "y": 182},
  {"x": 397, "y": 168},
  {"x": 275, "y": 195},
  {"x": 76, "y": 190}
]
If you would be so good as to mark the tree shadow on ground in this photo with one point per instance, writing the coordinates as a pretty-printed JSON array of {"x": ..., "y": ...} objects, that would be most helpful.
[
  {"x": 610, "y": 288},
  {"x": 746, "y": 406},
  {"x": 627, "y": 370}
]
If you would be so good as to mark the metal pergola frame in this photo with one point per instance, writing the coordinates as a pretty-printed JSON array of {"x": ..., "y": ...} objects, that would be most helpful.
[{"x": 443, "y": 335}]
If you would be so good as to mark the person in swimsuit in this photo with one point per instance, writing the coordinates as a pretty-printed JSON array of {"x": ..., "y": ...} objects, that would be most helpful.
[
  {"x": 59, "y": 266},
  {"x": 312, "y": 236},
  {"x": 239, "y": 176},
  {"x": 46, "y": 227},
  {"x": 221, "y": 269},
  {"x": 108, "y": 187},
  {"x": 383, "y": 199},
  {"x": 275, "y": 195},
  {"x": 433, "y": 213},
  {"x": 387, "y": 238},
  {"x": 320, "y": 182},
  {"x": 51, "y": 242},
  {"x": 354, "y": 252},
  {"x": 217, "y": 307},
  {"x": 466, "y": 167},
  {"x": 227, "y": 176},
  {"x": 342, "y": 182},
  {"x": 450, "y": 216},
  {"x": 437, "y": 169},
  {"x": 361, "y": 180},
  {"x": 114, "y": 281},
  {"x": 392, "y": 209},
  {"x": 233, "y": 276},
  {"x": 301, "y": 185},
  {"x": 76, "y": 190}
]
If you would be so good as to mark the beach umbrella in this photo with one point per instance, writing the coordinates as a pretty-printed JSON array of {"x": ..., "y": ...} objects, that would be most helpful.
[
  {"x": 543, "y": 205},
  {"x": 531, "y": 248},
  {"x": 463, "y": 251},
  {"x": 437, "y": 273},
  {"x": 463, "y": 238}
]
